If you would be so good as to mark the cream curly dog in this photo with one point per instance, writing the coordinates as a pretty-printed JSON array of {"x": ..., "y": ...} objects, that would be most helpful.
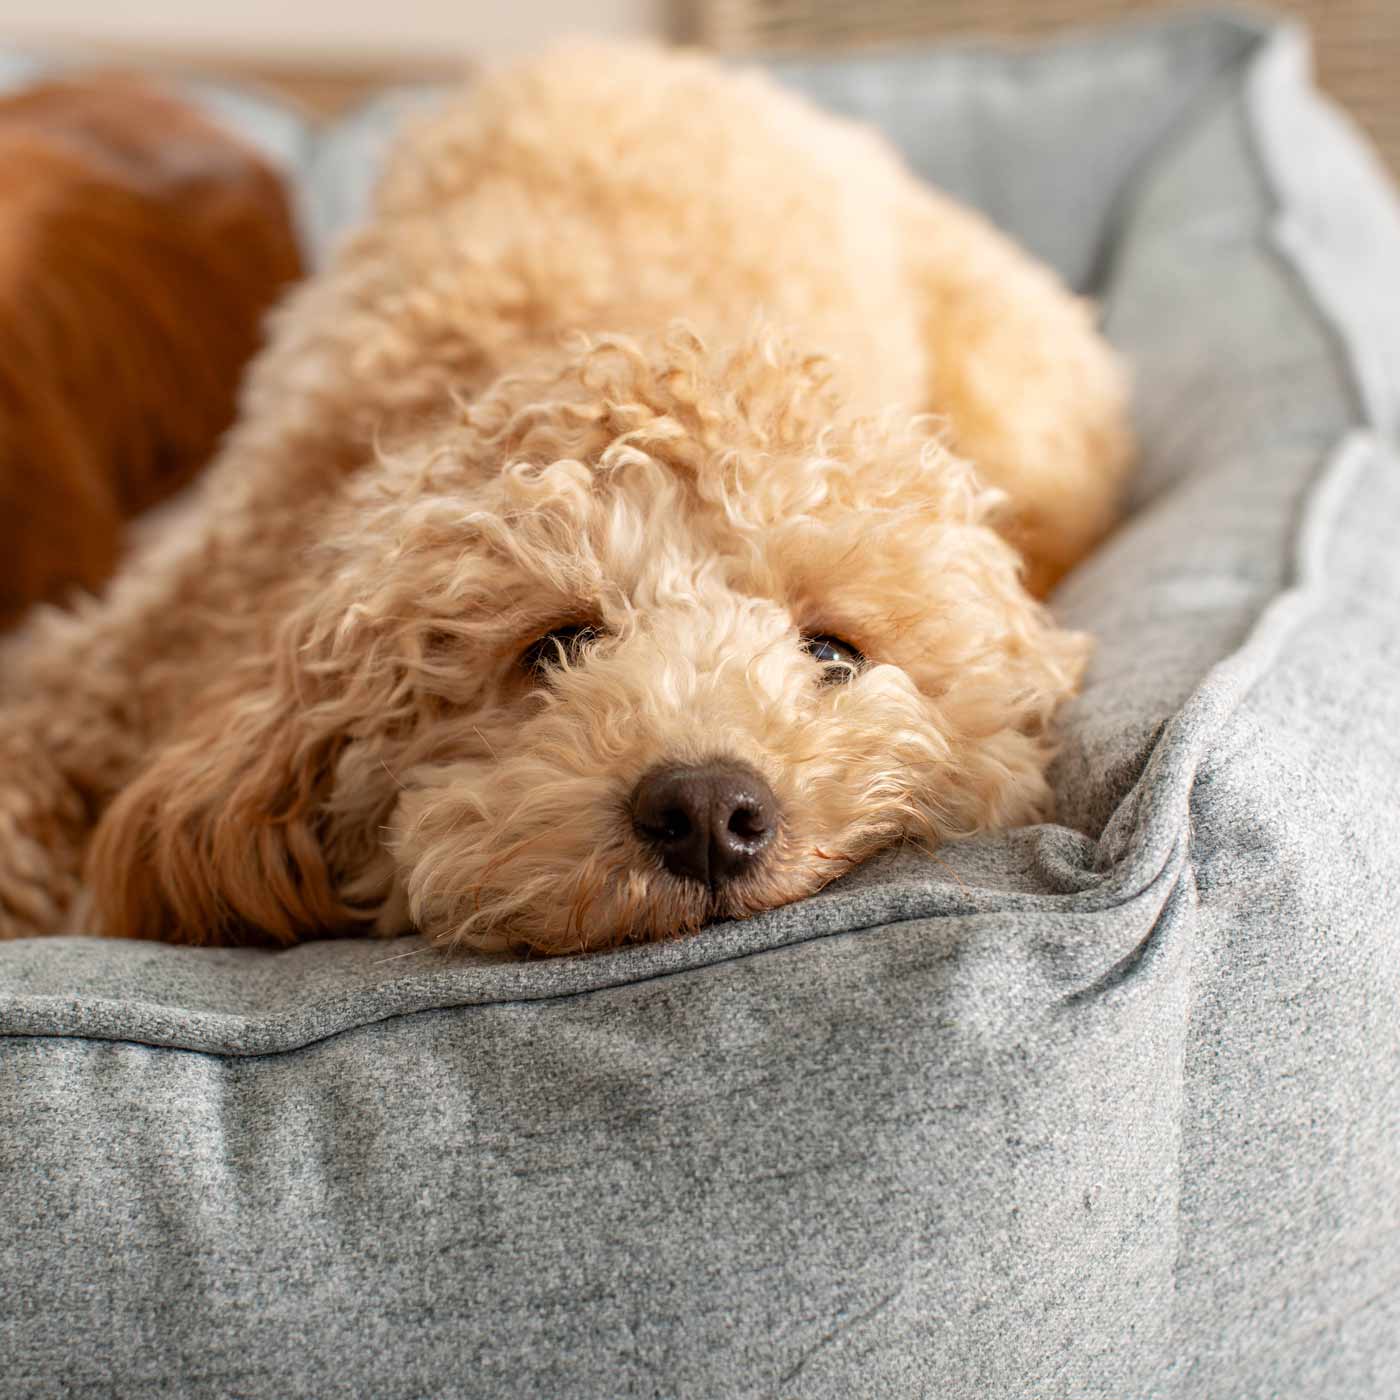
[{"x": 582, "y": 568}]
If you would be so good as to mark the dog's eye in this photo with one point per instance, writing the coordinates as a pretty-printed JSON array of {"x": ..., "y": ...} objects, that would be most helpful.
[
  {"x": 563, "y": 644},
  {"x": 840, "y": 660}
]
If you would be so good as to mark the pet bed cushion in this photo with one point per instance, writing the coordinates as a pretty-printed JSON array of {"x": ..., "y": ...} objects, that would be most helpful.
[{"x": 1103, "y": 1108}]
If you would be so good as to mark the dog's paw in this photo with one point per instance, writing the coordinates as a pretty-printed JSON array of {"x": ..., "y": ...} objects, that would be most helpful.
[{"x": 42, "y": 821}]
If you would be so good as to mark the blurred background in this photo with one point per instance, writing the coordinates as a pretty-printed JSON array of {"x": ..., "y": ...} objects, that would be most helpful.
[{"x": 326, "y": 53}]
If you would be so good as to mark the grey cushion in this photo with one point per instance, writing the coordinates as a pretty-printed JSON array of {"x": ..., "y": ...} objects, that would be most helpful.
[{"x": 1106, "y": 1108}]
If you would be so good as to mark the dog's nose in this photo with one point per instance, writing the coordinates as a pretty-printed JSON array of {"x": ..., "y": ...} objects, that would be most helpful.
[{"x": 709, "y": 823}]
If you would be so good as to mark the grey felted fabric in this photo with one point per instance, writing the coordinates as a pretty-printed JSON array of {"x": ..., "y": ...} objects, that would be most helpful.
[{"x": 1108, "y": 1108}]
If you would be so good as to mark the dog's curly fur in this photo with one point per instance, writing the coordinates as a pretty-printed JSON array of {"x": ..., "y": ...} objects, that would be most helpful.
[{"x": 634, "y": 342}]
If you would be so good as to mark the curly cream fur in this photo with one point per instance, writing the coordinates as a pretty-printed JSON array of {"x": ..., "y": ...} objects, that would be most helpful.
[{"x": 629, "y": 340}]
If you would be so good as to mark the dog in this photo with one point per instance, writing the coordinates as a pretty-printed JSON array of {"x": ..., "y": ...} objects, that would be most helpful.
[
  {"x": 139, "y": 249},
  {"x": 639, "y": 524}
]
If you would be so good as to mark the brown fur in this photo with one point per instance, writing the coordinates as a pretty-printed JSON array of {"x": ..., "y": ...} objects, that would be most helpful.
[
  {"x": 634, "y": 342},
  {"x": 140, "y": 248}
]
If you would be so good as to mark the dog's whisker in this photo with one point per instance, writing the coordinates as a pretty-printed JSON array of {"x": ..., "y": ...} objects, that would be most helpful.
[
  {"x": 952, "y": 874},
  {"x": 397, "y": 957}
]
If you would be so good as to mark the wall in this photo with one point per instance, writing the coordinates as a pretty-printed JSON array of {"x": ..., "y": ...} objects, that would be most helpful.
[{"x": 326, "y": 30}]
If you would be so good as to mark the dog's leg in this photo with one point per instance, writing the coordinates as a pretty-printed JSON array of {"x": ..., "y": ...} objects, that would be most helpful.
[
  {"x": 61, "y": 750},
  {"x": 41, "y": 825},
  {"x": 1032, "y": 395}
]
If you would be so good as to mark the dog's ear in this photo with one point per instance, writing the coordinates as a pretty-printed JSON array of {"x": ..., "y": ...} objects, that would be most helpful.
[
  {"x": 218, "y": 839},
  {"x": 227, "y": 835},
  {"x": 260, "y": 817}
]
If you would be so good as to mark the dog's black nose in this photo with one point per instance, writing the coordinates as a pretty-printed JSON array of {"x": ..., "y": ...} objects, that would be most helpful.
[{"x": 709, "y": 823}]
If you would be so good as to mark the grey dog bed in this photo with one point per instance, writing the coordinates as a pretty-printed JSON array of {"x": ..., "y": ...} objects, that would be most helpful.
[{"x": 1104, "y": 1108}]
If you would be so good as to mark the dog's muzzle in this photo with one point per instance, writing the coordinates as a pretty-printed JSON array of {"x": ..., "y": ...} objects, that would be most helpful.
[{"x": 710, "y": 823}]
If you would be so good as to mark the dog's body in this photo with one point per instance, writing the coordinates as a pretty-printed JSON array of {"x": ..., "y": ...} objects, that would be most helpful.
[
  {"x": 140, "y": 247},
  {"x": 626, "y": 357}
]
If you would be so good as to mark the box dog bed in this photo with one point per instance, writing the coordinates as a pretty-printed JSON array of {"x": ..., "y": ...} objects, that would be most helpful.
[{"x": 1104, "y": 1108}]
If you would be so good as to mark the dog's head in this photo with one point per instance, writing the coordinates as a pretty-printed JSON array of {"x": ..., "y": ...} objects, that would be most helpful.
[{"x": 661, "y": 640}]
